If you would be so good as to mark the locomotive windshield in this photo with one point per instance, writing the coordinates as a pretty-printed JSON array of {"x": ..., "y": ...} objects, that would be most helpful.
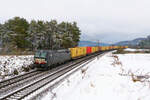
[
  {"x": 43, "y": 54},
  {"x": 40, "y": 55},
  {"x": 37, "y": 54}
]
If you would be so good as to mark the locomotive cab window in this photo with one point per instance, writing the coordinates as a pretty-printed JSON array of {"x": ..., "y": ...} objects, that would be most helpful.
[
  {"x": 40, "y": 55},
  {"x": 43, "y": 55},
  {"x": 37, "y": 54}
]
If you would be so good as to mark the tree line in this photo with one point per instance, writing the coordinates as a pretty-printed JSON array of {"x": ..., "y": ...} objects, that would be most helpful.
[{"x": 19, "y": 33}]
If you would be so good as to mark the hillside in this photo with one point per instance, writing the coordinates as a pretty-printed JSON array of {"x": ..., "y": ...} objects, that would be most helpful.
[
  {"x": 132, "y": 42},
  {"x": 145, "y": 43},
  {"x": 90, "y": 43}
]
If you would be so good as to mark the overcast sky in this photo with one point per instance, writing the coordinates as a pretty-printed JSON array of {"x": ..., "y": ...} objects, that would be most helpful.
[{"x": 105, "y": 20}]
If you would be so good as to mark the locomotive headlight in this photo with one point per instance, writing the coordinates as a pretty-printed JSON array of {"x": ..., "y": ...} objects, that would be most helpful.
[
  {"x": 40, "y": 61},
  {"x": 43, "y": 61},
  {"x": 37, "y": 60}
]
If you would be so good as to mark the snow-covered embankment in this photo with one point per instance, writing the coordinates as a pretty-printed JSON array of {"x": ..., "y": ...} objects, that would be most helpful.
[
  {"x": 9, "y": 64},
  {"x": 107, "y": 78}
]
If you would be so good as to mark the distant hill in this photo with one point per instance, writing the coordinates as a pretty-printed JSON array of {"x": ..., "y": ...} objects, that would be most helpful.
[
  {"x": 145, "y": 43},
  {"x": 132, "y": 42},
  {"x": 90, "y": 43}
]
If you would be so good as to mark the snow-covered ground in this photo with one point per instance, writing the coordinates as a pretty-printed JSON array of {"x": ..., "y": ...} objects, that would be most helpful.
[
  {"x": 111, "y": 77},
  {"x": 130, "y": 49},
  {"x": 10, "y": 63}
]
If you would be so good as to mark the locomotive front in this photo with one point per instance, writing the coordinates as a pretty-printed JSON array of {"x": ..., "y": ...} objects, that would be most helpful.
[{"x": 40, "y": 59}]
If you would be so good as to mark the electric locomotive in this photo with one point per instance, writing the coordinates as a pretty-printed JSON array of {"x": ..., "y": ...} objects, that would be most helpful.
[{"x": 46, "y": 59}]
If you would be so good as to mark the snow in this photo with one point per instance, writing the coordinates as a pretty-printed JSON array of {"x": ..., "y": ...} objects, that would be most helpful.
[
  {"x": 132, "y": 50},
  {"x": 107, "y": 78},
  {"x": 9, "y": 63}
]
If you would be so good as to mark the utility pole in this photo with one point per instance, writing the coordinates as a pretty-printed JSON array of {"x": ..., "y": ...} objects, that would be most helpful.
[{"x": 98, "y": 43}]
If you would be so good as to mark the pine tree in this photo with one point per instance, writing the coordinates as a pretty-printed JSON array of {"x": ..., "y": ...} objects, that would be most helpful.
[
  {"x": 39, "y": 34},
  {"x": 18, "y": 31}
]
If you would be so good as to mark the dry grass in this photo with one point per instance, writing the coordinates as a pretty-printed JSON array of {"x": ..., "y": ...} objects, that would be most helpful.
[
  {"x": 137, "y": 76},
  {"x": 119, "y": 51},
  {"x": 68, "y": 82},
  {"x": 54, "y": 95},
  {"x": 142, "y": 77},
  {"x": 116, "y": 61},
  {"x": 92, "y": 85},
  {"x": 83, "y": 72}
]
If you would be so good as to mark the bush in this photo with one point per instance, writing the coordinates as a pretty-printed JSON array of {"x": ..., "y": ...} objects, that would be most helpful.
[
  {"x": 26, "y": 69},
  {"x": 147, "y": 51},
  {"x": 16, "y": 72},
  {"x": 120, "y": 51},
  {"x": 32, "y": 66}
]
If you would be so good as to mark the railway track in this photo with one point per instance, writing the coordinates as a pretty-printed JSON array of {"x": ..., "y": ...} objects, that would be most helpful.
[
  {"x": 25, "y": 86},
  {"x": 15, "y": 79}
]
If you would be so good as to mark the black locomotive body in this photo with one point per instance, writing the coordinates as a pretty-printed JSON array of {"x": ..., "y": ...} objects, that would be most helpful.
[{"x": 46, "y": 59}]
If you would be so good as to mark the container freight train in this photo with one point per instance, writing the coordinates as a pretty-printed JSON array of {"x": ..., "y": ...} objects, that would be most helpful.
[{"x": 46, "y": 59}]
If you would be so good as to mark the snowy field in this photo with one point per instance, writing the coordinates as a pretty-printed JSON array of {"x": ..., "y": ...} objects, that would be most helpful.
[
  {"x": 130, "y": 49},
  {"x": 9, "y": 64},
  {"x": 111, "y": 77}
]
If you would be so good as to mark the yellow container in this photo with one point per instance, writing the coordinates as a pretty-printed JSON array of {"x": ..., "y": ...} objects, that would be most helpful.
[
  {"x": 103, "y": 48},
  {"x": 111, "y": 47},
  {"x": 126, "y": 46},
  {"x": 82, "y": 51},
  {"x": 115, "y": 47},
  {"x": 107, "y": 48},
  {"x": 78, "y": 52},
  {"x": 94, "y": 49},
  {"x": 73, "y": 52},
  {"x": 120, "y": 47}
]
